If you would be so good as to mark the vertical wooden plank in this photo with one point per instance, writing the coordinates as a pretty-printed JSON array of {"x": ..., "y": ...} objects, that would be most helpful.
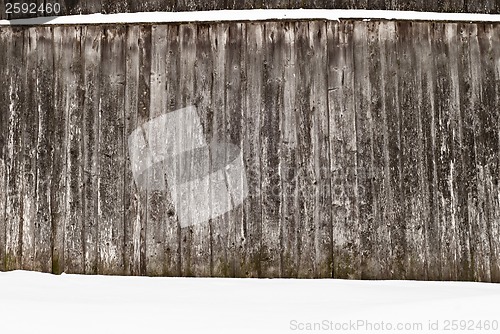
[
  {"x": 28, "y": 157},
  {"x": 364, "y": 146},
  {"x": 91, "y": 51},
  {"x": 381, "y": 43},
  {"x": 429, "y": 136},
  {"x": 110, "y": 152},
  {"x": 62, "y": 56},
  {"x": 221, "y": 238},
  {"x": 443, "y": 153},
  {"x": 452, "y": 42},
  {"x": 202, "y": 96},
  {"x": 423, "y": 206},
  {"x": 44, "y": 147},
  {"x": 144, "y": 100},
  {"x": 305, "y": 156},
  {"x": 488, "y": 119},
  {"x": 186, "y": 97},
  {"x": 133, "y": 206},
  {"x": 17, "y": 88},
  {"x": 173, "y": 241},
  {"x": 343, "y": 150},
  {"x": 494, "y": 36},
  {"x": 270, "y": 134},
  {"x": 320, "y": 146},
  {"x": 477, "y": 214},
  {"x": 288, "y": 167},
  {"x": 157, "y": 201},
  {"x": 234, "y": 103},
  {"x": 73, "y": 231},
  {"x": 251, "y": 147},
  {"x": 463, "y": 155},
  {"x": 5, "y": 35},
  {"x": 411, "y": 156}
]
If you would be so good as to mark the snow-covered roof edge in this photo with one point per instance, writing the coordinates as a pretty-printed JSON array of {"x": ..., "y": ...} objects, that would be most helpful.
[{"x": 255, "y": 15}]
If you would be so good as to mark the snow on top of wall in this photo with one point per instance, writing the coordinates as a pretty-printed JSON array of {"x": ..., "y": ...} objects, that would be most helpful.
[{"x": 255, "y": 15}]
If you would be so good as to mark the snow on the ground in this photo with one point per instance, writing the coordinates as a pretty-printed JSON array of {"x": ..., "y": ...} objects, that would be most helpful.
[
  {"x": 43, "y": 303},
  {"x": 256, "y": 15}
]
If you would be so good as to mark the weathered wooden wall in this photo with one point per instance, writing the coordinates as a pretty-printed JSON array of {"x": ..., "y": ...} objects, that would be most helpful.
[
  {"x": 371, "y": 148},
  {"x": 72, "y": 7}
]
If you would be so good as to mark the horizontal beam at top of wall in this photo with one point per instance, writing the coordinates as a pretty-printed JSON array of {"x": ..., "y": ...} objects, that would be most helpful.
[
  {"x": 73, "y": 7},
  {"x": 255, "y": 15}
]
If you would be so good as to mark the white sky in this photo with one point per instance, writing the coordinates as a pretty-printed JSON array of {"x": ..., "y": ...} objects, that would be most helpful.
[{"x": 258, "y": 14}]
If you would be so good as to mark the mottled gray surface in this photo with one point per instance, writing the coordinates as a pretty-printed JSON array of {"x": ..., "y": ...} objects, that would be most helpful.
[{"x": 370, "y": 148}]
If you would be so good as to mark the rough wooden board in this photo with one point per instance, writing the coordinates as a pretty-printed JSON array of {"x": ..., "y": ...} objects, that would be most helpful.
[
  {"x": 186, "y": 97},
  {"x": 62, "y": 57},
  {"x": 133, "y": 207},
  {"x": 477, "y": 214},
  {"x": 234, "y": 105},
  {"x": 342, "y": 124},
  {"x": 157, "y": 201},
  {"x": 320, "y": 145},
  {"x": 16, "y": 75},
  {"x": 200, "y": 237},
  {"x": 288, "y": 167},
  {"x": 222, "y": 262},
  {"x": 364, "y": 147},
  {"x": 110, "y": 152},
  {"x": 91, "y": 49},
  {"x": 272, "y": 98},
  {"x": 380, "y": 45},
  {"x": 173, "y": 256},
  {"x": 4, "y": 124},
  {"x": 489, "y": 123},
  {"x": 73, "y": 229},
  {"x": 28, "y": 162},
  {"x": 44, "y": 147},
  {"x": 252, "y": 118},
  {"x": 494, "y": 36},
  {"x": 144, "y": 91}
]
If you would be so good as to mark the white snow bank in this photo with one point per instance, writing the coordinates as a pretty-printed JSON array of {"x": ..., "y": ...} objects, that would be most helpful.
[
  {"x": 42, "y": 303},
  {"x": 256, "y": 15}
]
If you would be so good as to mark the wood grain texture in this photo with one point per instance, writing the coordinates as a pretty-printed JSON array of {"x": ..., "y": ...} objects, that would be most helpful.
[{"x": 370, "y": 149}]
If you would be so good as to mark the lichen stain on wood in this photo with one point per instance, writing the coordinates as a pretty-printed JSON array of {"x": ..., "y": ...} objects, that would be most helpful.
[{"x": 371, "y": 149}]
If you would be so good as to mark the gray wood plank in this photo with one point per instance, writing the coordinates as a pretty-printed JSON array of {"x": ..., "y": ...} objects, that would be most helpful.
[
  {"x": 134, "y": 208},
  {"x": 381, "y": 43},
  {"x": 44, "y": 147},
  {"x": 16, "y": 72},
  {"x": 62, "y": 57},
  {"x": 200, "y": 237},
  {"x": 28, "y": 155},
  {"x": 91, "y": 50},
  {"x": 252, "y": 119},
  {"x": 345, "y": 214},
  {"x": 110, "y": 152},
  {"x": 74, "y": 258},
  {"x": 5, "y": 35},
  {"x": 364, "y": 146},
  {"x": 144, "y": 100},
  {"x": 222, "y": 261},
  {"x": 173, "y": 239},
  {"x": 272, "y": 109},
  {"x": 288, "y": 153},
  {"x": 320, "y": 146},
  {"x": 494, "y": 39},
  {"x": 428, "y": 118},
  {"x": 234, "y": 103},
  {"x": 157, "y": 201}
]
